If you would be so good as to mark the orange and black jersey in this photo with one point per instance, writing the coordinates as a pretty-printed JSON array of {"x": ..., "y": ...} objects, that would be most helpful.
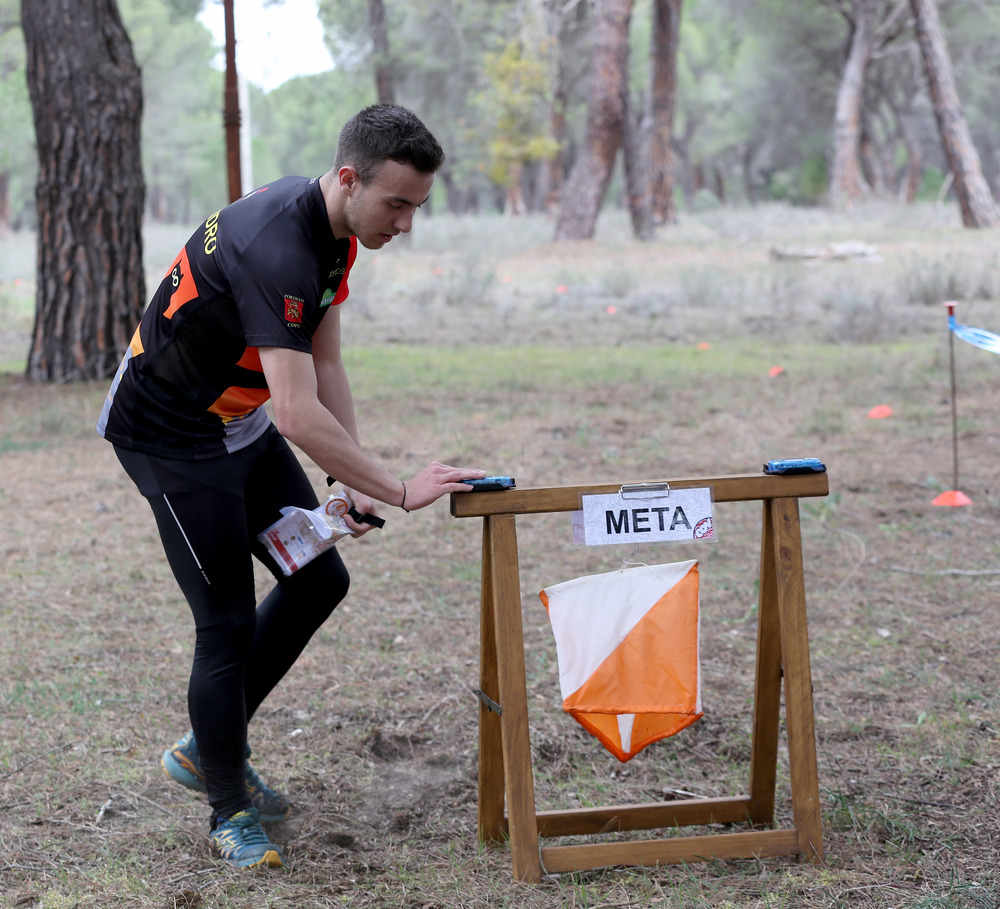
[{"x": 261, "y": 272}]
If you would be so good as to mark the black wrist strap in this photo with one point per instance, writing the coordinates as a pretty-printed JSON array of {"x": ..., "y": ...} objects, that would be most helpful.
[{"x": 372, "y": 519}]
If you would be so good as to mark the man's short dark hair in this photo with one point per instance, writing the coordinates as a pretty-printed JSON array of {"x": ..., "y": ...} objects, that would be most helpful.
[{"x": 386, "y": 132}]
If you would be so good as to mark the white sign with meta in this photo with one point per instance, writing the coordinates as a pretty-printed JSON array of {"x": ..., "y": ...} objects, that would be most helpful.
[{"x": 680, "y": 515}]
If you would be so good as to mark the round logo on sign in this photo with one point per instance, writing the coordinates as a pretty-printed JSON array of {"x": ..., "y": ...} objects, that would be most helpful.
[{"x": 704, "y": 529}]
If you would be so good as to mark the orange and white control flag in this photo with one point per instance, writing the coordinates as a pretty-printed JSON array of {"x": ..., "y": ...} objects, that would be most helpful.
[{"x": 627, "y": 648}]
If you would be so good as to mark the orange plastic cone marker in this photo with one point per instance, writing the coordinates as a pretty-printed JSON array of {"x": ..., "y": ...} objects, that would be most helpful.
[
  {"x": 775, "y": 371},
  {"x": 880, "y": 412},
  {"x": 953, "y": 498}
]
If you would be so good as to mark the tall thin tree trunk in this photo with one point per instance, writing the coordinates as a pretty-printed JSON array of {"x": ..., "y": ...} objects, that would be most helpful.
[
  {"x": 871, "y": 164},
  {"x": 914, "y": 159},
  {"x": 555, "y": 167},
  {"x": 379, "y": 32},
  {"x": 974, "y": 197},
  {"x": 565, "y": 24},
  {"x": 4, "y": 202},
  {"x": 663, "y": 103},
  {"x": 607, "y": 105},
  {"x": 231, "y": 107},
  {"x": 846, "y": 181},
  {"x": 746, "y": 166},
  {"x": 86, "y": 94},
  {"x": 637, "y": 172}
]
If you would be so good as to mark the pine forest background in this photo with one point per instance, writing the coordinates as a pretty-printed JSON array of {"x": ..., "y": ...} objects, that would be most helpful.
[{"x": 757, "y": 87}]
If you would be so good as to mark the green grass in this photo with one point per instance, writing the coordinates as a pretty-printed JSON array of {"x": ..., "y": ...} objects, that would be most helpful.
[{"x": 508, "y": 370}]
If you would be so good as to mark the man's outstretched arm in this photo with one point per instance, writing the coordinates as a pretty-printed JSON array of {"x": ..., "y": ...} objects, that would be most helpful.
[{"x": 328, "y": 434}]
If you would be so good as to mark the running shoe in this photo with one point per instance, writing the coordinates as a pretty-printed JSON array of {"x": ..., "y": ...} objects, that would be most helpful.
[
  {"x": 273, "y": 806},
  {"x": 242, "y": 842},
  {"x": 182, "y": 763}
]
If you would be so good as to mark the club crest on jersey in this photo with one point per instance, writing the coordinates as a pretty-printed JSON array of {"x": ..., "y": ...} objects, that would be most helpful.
[{"x": 293, "y": 310}]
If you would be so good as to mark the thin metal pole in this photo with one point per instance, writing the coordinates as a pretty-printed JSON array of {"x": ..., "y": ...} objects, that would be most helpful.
[{"x": 954, "y": 403}]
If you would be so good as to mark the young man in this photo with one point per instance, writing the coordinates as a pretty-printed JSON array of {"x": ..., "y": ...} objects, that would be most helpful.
[{"x": 248, "y": 311}]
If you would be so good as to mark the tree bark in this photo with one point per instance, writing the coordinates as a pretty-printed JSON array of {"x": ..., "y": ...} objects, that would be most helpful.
[
  {"x": 974, "y": 197},
  {"x": 871, "y": 164},
  {"x": 4, "y": 203},
  {"x": 874, "y": 24},
  {"x": 663, "y": 103},
  {"x": 566, "y": 26},
  {"x": 231, "y": 106},
  {"x": 637, "y": 175},
  {"x": 607, "y": 105},
  {"x": 86, "y": 95},
  {"x": 379, "y": 32},
  {"x": 846, "y": 181},
  {"x": 555, "y": 168},
  {"x": 914, "y": 159}
]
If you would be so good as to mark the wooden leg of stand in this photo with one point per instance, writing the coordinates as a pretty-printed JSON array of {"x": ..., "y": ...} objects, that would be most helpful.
[
  {"x": 767, "y": 693},
  {"x": 521, "y": 818},
  {"x": 491, "y": 789},
  {"x": 798, "y": 679}
]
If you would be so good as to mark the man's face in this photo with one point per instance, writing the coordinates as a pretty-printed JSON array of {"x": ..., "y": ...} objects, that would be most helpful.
[{"x": 375, "y": 213}]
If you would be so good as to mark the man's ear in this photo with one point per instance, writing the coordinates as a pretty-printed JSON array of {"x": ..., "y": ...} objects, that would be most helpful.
[{"x": 348, "y": 179}]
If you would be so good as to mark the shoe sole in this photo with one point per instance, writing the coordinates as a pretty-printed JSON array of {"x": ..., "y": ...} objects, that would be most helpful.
[
  {"x": 181, "y": 771},
  {"x": 270, "y": 859}
]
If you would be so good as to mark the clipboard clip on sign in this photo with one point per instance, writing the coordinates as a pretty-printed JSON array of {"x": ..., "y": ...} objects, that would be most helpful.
[{"x": 644, "y": 490}]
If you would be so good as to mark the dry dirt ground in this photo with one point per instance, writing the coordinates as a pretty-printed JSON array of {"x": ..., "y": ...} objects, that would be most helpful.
[{"x": 374, "y": 732}]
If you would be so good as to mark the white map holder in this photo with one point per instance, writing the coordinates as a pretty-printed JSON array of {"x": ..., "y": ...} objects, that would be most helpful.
[{"x": 645, "y": 513}]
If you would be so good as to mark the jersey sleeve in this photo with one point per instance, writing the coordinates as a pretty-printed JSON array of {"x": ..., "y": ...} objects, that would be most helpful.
[{"x": 277, "y": 291}]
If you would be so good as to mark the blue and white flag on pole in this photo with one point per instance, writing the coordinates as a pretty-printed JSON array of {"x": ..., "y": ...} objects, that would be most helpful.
[{"x": 976, "y": 336}]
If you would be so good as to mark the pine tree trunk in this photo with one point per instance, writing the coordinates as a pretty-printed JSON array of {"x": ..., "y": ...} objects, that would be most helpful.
[
  {"x": 4, "y": 203},
  {"x": 663, "y": 102},
  {"x": 565, "y": 27},
  {"x": 554, "y": 174},
  {"x": 974, "y": 197},
  {"x": 86, "y": 95},
  {"x": 637, "y": 172},
  {"x": 846, "y": 181},
  {"x": 914, "y": 160},
  {"x": 379, "y": 33},
  {"x": 606, "y": 112}
]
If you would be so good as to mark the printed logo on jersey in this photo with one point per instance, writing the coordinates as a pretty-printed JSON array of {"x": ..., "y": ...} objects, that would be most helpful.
[
  {"x": 293, "y": 310},
  {"x": 211, "y": 229},
  {"x": 253, "y": 192},
  {"x": 183, "y": 284},
  {"x": 327, "y": 298}
]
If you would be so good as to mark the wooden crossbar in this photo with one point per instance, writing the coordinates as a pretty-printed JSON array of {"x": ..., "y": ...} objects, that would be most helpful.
[{"x": 505, "y": 772}]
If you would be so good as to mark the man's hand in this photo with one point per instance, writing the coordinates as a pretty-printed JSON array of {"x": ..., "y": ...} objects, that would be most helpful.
[
  {"x": 364, "y": 505},
  {"x": 436, "y": 480}
]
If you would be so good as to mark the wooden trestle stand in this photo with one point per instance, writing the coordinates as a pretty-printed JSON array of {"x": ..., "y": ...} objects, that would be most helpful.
[{"x": 782, "y": 656}]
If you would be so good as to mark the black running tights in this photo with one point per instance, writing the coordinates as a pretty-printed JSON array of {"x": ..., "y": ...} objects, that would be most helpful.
[{"x": 209, "y": 514}]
